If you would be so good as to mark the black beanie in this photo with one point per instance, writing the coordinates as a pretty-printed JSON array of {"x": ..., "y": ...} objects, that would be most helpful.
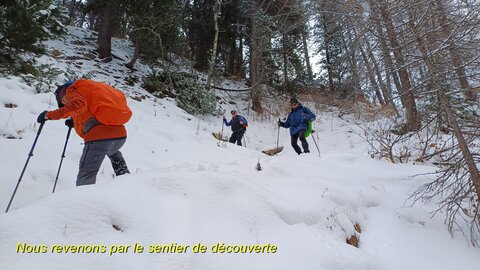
[{"x": 293, "y": 100}]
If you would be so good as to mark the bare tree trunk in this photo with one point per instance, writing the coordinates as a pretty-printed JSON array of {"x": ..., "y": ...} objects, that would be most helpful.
[
  {"x": 216, "y": 10},
  {"x": 285, "y": 60},
  {"x": 353, "y": 62},
  {"x": 385, "y": 87},
  {"x": 454, "y": 52},
  {"x": 372, "y": 78},
  {"x": 331, "y": 85},
  {"x": 136, "y": 54},
  {"x": 72, "y": 13},
  {"x": 412, "y": 120},
  {"x": 239, "y": 71},
  {"x": 389, "y": 69},
  {"x": 255, "y": 64},
  {"x": 232, "y": 57},
  {"x": 306, "y": 55},
  {"x": 106, "y": 29}
]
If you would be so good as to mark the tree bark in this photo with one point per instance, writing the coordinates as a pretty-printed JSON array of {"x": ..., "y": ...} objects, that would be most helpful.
[
  {"x": 306, "y": 55},
  {"x": 454, "y": 52},
  {"x": 331, "y": 85},
  {"x": 412, "y": 120},
  {"x": 372, "y": 78},
  {"x": 106, "y": 30},
  {"x": 285, "y": 60},
  {"x": 255, "y": 64},
  {"x": 353, "y": 62},
  {"x": 72, "y": 13},
  {"x": 136, "y": 54},
  {"x": 216, "y": 10},
  {"x": 239, "y": 70}
]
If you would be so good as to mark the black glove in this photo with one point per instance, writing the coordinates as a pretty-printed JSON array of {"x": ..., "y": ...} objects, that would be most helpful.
[
  {"x": 41, "y": 117},
  {"x": 280, "y": 123},
  {"x": 69, "y": 122}
]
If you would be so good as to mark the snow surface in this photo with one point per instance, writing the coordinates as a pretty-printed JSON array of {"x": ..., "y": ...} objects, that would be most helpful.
[{"x": 187, "y": 188}]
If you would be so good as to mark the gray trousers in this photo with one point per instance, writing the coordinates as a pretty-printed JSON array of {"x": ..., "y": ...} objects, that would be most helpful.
[{"x": 92, "y": 157}]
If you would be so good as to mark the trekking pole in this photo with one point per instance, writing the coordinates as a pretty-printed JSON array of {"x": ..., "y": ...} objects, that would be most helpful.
[
  {"x": 245, "y": 141},
  {"x": 221, "y": 136},
  {"x": 25, "y": 167},
  {"x": 278, "y": 134},
  {"x": 61, "y": 159},
  {"x": 315, "y": 141}
]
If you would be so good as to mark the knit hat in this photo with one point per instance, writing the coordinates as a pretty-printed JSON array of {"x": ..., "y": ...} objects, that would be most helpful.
[
  {"x": 61, "y": 92},
  {"x": 294, "y": 100},
  {"x": 233, "y": 111}
]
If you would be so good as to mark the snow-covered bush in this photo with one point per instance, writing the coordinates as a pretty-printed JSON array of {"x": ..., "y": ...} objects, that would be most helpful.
[{"x": 189, "y": 94}]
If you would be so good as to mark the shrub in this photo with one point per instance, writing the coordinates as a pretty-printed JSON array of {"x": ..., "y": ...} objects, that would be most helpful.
[{"x": 189, "y": 94}]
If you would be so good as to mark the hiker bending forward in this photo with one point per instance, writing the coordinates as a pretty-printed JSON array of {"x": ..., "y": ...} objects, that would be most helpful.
[
  {"x": 239, "y": 126},
  {"x": 98, "y": 112},
  {"x": 297, "y": 121}
]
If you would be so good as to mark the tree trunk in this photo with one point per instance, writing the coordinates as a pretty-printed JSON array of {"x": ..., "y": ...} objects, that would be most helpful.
[
  {"x": 454, "y": 52},
  {"x": 285, "y": 60},
  {"x": 105, "y": 30},
  {"x": 386, "y": 88},
  {"x": 239, "y": 70},
  {"x": 216, "y": 10},
  {"x": 372, "y": 78},
  {"x": 412, "y": 120},
  {"x": 306, "y": 55},
  {"x": 331, "y": 85},
  {"x": 389, "y": 69},
  {"x": 72, "y": 13},
  {"x": 232, "y": 56},
  {"x": 353, "y": 62},
  {"x": 255, "y": 65},
  {"x": 136, "y": 54}
]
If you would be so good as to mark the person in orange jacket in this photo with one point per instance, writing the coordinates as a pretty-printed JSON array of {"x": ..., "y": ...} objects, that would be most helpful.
[{"x": 103, "y": 136}]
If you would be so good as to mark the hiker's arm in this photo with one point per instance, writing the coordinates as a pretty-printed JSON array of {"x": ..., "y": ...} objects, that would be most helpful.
[
  {"x": 75, "y": 102},
  {"x": 227, "y": 123},
  {"x": 287, "y": 123}
]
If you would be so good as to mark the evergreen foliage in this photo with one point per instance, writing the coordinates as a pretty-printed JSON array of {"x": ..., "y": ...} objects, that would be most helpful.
[
  {"x": 189, "y": 94},
  {"x": 23, "y": 23}
]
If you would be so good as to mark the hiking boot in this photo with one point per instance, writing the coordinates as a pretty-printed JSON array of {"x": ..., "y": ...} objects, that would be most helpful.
[
  {"x": 120, "y": 167},
  {"x": 306, "y": 151}
]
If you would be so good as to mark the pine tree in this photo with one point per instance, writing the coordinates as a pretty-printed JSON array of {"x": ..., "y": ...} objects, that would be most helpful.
[{"x": 23, "y": 23}]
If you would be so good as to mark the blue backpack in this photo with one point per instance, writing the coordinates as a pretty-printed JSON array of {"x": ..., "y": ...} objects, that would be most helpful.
[{"x": 245, "y": 123}]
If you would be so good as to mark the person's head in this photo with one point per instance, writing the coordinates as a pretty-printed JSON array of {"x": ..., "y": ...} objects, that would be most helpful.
[
  {"x": 61, "y": 92},
  {"x": 234, "y": 113},
  {"x": 294, "y": 102}
]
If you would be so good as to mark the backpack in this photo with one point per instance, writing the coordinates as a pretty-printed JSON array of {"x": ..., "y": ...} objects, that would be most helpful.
[
  {"x": 309, "y": 126},
  {"x": 309, "y": 129},
  {"x": 107, "y": 104},
  {"x": 245, "y": 123}
]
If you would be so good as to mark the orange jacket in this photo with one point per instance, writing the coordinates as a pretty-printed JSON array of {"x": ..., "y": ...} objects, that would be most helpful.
[{"x": 77, "y": 96}]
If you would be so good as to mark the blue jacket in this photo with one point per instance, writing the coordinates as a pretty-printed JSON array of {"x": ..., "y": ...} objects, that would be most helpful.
[{"x": 297, "y": 119}]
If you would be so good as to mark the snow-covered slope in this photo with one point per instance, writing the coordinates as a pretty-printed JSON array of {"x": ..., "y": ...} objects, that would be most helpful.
[{"x": 187, "y": 188}]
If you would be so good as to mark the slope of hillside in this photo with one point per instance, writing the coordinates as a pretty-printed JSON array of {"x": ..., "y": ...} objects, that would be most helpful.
[{"x": 187, "y": 188}]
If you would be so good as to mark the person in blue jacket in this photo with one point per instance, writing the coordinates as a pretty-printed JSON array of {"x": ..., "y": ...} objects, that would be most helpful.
[
  {"x": 239, "y": 126},
  {"x": 297, "y": 121}
]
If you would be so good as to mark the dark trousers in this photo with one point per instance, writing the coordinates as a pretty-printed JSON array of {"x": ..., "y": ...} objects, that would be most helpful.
[
  {"x": 92, "y": 157},
  {"x": 237, "y": 137},
  {"x": 295, "y": 137}
]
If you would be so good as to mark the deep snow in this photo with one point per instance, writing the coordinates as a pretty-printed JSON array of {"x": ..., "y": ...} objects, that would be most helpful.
[{"x": 188, "y": 188}]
